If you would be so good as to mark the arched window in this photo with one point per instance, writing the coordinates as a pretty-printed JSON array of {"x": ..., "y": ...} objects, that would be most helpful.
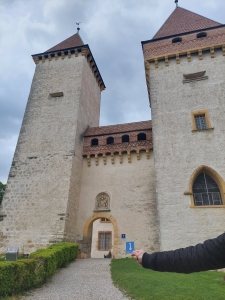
[
  {"x": 141, "y": 137},
  {"x": 206, "y": 191},
  {"x": 110, "y": 140},
  {"x": 94, "y": 142},
  {"x": 177, "y": 40},
  {"x": 125, "y": 138},
  {"x": 201, "y": 35}
]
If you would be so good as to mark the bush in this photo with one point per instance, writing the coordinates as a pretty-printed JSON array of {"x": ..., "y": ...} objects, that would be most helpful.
[{"x": 26, "y": 273}]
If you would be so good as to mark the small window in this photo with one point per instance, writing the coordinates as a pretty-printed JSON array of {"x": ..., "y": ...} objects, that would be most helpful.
[
  {"x": 110, "y": 140},
  {"x": 201, "y": 35},
  {"x": 206, "y": 191},
  {"x": 104, "y": 240},
  {"x": 94, "y": 142},
  {"x": 200, "y": 120},
  {"x": 141, "y": 137},
  {"x": 177, "y": 40},
  {"x": 105, "y": 220},
  {"x": 125, "y": 138}
]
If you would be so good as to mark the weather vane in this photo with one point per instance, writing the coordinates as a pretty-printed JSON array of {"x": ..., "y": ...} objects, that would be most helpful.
[
  {"x": 78, "y": 28},
  {"x": 176, "y": 1}
]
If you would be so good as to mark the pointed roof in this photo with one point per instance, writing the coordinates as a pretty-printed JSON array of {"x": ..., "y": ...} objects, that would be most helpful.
[
  {"x": 72, "y": 42},
  {"x": 182, "y": 20}
]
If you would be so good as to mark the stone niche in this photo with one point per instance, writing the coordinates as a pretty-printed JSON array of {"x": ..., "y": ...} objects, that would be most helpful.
[{"x": 102, "y": 202}]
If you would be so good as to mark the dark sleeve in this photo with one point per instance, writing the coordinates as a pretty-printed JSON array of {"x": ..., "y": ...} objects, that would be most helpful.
[{"x": 207, "y": 256}]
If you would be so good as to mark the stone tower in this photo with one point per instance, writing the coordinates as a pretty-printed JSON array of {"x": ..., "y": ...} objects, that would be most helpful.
[
  {"x": 42, "y": 197},
  {"x": 185, "y": 74}
]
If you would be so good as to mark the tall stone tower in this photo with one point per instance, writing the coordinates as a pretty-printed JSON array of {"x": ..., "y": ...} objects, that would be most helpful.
[
  {"x": 185, "y": 74},
  {"x": 42, "y": 197}
]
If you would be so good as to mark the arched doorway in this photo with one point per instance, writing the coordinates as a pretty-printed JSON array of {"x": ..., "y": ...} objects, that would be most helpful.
[{"x": 87, "y": 233}]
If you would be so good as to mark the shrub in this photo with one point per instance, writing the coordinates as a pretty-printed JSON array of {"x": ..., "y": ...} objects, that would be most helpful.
[{"x": 16, "y": 276}]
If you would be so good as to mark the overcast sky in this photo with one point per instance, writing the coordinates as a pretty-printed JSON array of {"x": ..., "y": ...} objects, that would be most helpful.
[{"x": 113, "y": 29}]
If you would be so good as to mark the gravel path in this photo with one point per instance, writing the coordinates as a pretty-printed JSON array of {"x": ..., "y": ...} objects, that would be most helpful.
[{"x": 84, "y": 279}]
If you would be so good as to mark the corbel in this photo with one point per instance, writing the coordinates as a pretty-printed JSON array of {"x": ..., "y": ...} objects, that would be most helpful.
[
  {"x": 76, "y": 52},
  {"x": 156, "y": 63},
  {"x": 43, "y": 58},
  {"x": 166, "y": 61},
  {"x": 223, "y": 47},
  {"x": 69, "y": 54},
  {"x": 102, "y": 87},
  {"x": 138, "y": 154},
  {"x": 104, "y": 159},
  {"x": 147, "y": 154},
  {"x": 88, "y": 160},
  {"x": 128, "y": 156},
  {"x": 112, "y": 158},
  {"x": 189, "y": 56},
  {"x": 147, "y": 65},
  {"x": 212, "y": 52},
  {"x": 36, "y": 59},
  {"x": 56, "y": 56},
  {"x": 62, "y": 54},
  {"x": 121, "y": 157},
  {"x": 177, "y": 58},
  {"x": 96, "y": 159},
  {"x": 200, "y": 54},
  {"x": 49, "y": 57},
  {"x": 84, "y": 52}
]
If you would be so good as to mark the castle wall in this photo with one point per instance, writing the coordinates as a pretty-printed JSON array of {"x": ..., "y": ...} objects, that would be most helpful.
[
  {"x": 179, "y": 151},
  {"x": 45, "y": 176},
  {"x": 132, "y": 198}
]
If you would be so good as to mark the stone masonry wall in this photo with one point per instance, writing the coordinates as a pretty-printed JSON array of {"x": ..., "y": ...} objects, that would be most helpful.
[
  {"x": 179, "y": 152},
  {"x": 131, "y": 187},
  {"x": 50, "y": 143}
]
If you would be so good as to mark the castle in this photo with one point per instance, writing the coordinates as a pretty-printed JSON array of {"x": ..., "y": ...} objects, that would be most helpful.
[{"x": 157, "y": 183}]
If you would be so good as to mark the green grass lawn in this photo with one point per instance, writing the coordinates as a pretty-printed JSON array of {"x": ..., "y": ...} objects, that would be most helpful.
[{"x": 142, "y": 284}]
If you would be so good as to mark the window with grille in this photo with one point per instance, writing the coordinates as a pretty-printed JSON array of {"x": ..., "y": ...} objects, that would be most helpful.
[
  {"x": 110, "y": 140},
  {"x": 104, "y": 239},
  {"x": 206, "y": 191},
  {"x": 105, "y": 220},
  {"x": 200, "y": 122}
]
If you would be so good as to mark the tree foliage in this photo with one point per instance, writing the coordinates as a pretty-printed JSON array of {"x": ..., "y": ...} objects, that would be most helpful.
[{"x": 2, "y": 191}]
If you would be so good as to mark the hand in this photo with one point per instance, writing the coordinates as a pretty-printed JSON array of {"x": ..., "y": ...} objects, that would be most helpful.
[{"x": 137, "y": 254}]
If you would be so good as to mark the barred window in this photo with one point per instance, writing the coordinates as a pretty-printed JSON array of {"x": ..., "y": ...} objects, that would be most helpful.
[
  {"x": 110, "y": 140},
  {"x": 104, "y": 239},
  {"x": 94, "y": 142},
  {"x": 200, "y": 122},
  {"x": 206, "y": 191}
]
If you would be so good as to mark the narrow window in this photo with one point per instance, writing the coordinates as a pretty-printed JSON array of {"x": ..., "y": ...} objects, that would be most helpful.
[
  {"x": 110, "y": 140},
  {"x": 104, "y": 240},
  {"x": 141, "y": 137},
  {"x": 201, "y": 35},
  {"x": 206, "y": 191},
  {"x": 177, "y": 40},
  {"x": 94, "y": 142},
  {"x": 200, "y": 122},
  {"x": 125, "y": 138}
]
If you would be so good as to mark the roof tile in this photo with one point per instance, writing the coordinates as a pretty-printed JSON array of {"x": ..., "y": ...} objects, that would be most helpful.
[{"x": 72, "y": 42}]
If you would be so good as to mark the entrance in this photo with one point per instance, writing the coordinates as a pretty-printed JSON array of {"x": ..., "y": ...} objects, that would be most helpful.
[{"x": 102, "y": 241}]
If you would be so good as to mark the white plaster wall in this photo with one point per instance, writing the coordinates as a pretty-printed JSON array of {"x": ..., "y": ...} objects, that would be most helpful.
[
  {"x": 131, "y": 187},
  {"x": 48, "y": 151},
  {"x": 179, "y": 152},
  {"x": 100, "y": 226}
]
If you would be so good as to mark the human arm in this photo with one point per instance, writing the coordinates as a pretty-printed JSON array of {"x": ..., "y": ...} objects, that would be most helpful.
[{"x": 207, "y": 256}]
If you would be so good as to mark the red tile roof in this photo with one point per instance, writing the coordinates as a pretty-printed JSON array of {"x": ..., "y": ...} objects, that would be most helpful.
[
  {"x": 118, "y": 128},
  {"x": 189, "y": 41},
  {"x": 72, "y": 42},
  {"x": 182, "y": 20}
]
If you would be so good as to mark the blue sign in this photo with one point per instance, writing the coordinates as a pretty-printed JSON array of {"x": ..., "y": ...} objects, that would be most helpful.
[
  {"x": 129, "y": 247},
  {"x": 123, "y": 235}
]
